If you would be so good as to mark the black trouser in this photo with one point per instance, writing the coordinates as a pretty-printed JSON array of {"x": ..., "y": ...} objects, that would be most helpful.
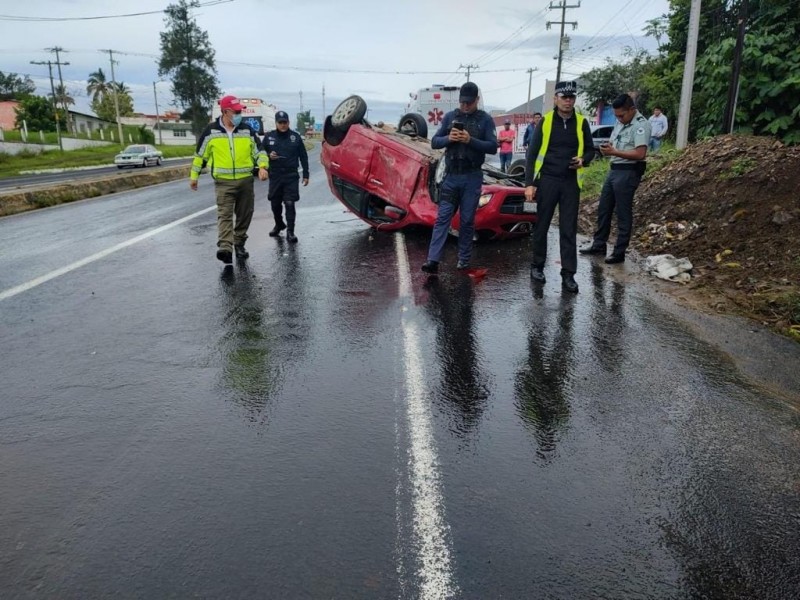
[
  {"x": 564, "y": 193},
  {"x": 617, "y": 194},
  {"x": 284, "y": 190}
]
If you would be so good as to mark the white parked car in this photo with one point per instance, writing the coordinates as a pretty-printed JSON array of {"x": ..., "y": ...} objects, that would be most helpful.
[{"x": 138, "y": 155}]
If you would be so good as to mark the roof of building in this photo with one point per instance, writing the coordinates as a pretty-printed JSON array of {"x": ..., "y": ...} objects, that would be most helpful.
[{"x": 94, "y": 117}]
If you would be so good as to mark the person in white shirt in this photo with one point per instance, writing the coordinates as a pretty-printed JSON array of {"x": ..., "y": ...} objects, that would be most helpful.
[{"x": 659, "y": 126}]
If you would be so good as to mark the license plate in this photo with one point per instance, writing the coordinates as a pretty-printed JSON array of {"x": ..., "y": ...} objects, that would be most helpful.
[{"x": 529, "y": 207}]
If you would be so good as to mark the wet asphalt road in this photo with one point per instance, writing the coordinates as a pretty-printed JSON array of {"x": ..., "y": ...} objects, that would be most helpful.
[
  {"x": 20, "y": 181},
  {"x": 325, "y": 422}
]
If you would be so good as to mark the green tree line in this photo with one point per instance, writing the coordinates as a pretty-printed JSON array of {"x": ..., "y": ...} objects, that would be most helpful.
[{"x": 769, "y": 85}]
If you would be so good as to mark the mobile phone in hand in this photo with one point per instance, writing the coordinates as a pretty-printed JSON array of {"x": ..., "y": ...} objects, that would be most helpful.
[{"x": 458, "y": 125}]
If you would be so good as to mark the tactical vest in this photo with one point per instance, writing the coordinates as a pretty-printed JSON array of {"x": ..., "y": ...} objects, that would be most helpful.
[
  {"x": 460, "y": 155},
  {"x": 547, "y": 127}
]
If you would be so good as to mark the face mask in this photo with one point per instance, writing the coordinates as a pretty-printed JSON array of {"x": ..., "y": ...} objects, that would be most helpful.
[{"x": 236, "y": 119}]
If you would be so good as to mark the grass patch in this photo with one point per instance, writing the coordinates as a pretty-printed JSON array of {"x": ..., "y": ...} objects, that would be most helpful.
[
  {"x": 741, "y": 166},
  {"x": 12, "y": 164}
]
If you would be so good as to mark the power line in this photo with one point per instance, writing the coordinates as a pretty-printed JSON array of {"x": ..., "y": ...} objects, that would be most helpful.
[{"x": 60, "y": 19}]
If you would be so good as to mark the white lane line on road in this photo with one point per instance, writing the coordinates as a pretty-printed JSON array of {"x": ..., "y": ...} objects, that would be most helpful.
[
  {"x": 24, "y": 287},
  {"x": 431, "y": 531}
]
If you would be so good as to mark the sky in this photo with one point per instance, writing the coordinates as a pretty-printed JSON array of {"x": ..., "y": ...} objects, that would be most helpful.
[{"x": 286, "y": 52}]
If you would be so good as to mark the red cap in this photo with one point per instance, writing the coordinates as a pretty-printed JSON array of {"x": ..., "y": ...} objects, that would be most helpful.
[{"x": 230, "y": 103}]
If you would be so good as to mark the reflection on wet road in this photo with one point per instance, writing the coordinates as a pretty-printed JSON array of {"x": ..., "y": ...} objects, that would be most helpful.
[{"x": 325, "y": 421}]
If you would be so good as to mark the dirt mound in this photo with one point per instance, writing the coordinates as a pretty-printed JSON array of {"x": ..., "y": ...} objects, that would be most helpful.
[{"x": 731, "y": 205}]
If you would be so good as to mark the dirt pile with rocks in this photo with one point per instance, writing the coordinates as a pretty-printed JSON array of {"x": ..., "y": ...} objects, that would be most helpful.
[{"x": 731, "y": 205}]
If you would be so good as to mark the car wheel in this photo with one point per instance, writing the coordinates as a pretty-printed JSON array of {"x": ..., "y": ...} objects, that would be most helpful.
[
  {"x": 144, "y": 163},
  {"x": 119, "y": 166},
  {"x": 517, "y": 167},
  {"x": 413, "y": 124},
  {"x": 331, "y": 134},
  {"x": 350, "y": 111},
  {"x": 158, "y": 161}
]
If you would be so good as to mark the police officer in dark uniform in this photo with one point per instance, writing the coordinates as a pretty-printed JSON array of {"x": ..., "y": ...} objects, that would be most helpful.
[
  {"x": 628, "y": 150},
  {"x": 285, "y": 149},
  {"x": 468, "y": 134},
  {"x": 560, "y": 150}
]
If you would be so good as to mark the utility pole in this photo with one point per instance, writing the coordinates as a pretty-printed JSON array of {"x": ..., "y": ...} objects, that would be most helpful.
[
  {"x": 563, "y": 6},
  {"x": 301, "y": 100},
  {"x": 55, "y": 104},
  {"x": 682, "y": 134},
  {"x": 530, "y": 81},
  {"x": 158, "y": 124},
  {"x": 58, "y": 63},
  {"x": 116, "y": 94},
  {"x": 468, "y": 68},
  {"x": 733, "y": 90}
]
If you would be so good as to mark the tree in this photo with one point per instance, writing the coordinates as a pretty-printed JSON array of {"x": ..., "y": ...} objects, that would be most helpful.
[
  {"x": 97, "y": 86},
  {"x": 304, "y": 122},
  {"x": 188, "y": 58},
  {"x": 37, "y": 112},
  {"x": 770, "y": 74},
  {"x": 62, "y": 96},
  {"x": 104, "y": 107},
  {"x": 15, "y": 87},
  {"x": 603, "y": 84}
]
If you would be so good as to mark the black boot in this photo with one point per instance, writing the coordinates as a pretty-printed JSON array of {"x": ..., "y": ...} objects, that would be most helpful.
[
  {"x": 241, "y": 253},
  {"x": 290, "y": 236},
  {"x": 537, "y": 274},
  {"x": 568, "y": 283},
  {"x": 279, "y": 226}
]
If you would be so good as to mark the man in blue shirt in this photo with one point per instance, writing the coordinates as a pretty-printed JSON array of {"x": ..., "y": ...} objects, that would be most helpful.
[
  {"x": 527, "y": 138},
  {"x": 468, "y": 134}
]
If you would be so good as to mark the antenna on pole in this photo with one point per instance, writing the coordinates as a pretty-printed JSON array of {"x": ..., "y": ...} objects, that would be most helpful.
[
  {"x": 561, "y": 40},
  {"x": 58, "y": 63},
  {"x": 116, "y": 93},
  {"x": 468, "y": 68},
  {"x": 55, "y": 104}
]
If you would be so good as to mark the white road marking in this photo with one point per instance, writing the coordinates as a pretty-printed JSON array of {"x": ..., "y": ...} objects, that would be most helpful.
[
  {"x": 430, "y": 529},
  {"x": 24, "y": 287}
]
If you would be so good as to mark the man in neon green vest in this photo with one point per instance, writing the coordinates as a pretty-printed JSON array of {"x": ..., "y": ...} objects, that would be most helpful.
[{"x": 560, "y": 150}]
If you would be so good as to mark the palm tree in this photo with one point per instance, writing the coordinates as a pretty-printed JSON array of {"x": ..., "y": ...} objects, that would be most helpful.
[
  {"x": 62, "y": 96},
  {"x": 98, "y": 86},
  {"x": 120, "y": 87}
]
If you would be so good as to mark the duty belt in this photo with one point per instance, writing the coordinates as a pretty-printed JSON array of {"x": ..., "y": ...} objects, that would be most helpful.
[{"x": 462, "y": 169}]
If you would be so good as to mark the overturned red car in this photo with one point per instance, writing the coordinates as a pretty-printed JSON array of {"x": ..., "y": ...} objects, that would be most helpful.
[{"x": 391, "y": 179}]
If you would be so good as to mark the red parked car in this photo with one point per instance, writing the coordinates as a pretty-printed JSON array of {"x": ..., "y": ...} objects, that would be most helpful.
[{"x": 391, "y": 179}]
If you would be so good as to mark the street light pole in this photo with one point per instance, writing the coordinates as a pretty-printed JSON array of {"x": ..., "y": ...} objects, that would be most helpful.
[{"x": 158, "y": 124}]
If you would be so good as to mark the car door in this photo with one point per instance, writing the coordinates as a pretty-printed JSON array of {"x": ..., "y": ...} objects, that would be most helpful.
[{"x": 394, "y": 172}]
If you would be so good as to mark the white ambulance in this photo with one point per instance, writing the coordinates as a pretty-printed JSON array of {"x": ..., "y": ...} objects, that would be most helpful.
[
  {"x": 258, "y": 114},
  {"x": 427, "y": 107}
]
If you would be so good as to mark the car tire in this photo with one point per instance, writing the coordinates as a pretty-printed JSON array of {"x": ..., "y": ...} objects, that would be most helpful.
[
  {"x": 144, "y": 163},
  {"x": 413, "y": 124},
  {"x": 517, "y": 167},
  {"x": 350, "y": 111},
  {"x": 120, "y": 166},
  {"x": 158, "y": 161},
  {"x": 332, "y": 135}
]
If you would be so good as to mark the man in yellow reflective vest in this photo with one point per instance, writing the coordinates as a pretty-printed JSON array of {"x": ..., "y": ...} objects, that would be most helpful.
[
  {"x": 560, "y": 150},
  {"x": 231, "y": 150}
]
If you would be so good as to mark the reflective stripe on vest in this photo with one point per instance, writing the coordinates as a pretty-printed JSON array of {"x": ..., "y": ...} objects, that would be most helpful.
[{"x": 547, "y": 127}]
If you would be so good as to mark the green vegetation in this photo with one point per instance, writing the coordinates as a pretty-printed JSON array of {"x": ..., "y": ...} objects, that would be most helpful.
[
  {"x": 11, "y": 165},
  {"x": 770, "y": 73},
  {"x": 741, "y": 166},
  {"x": 597, "y": 171},
  {"x": 50, "y": 137},
  {"x": 188, "y": 58},
  {"x": 103, "y": 92}
]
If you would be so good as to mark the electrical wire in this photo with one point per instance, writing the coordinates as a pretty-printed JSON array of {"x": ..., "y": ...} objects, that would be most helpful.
[{"x": 60, "y": 19}]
